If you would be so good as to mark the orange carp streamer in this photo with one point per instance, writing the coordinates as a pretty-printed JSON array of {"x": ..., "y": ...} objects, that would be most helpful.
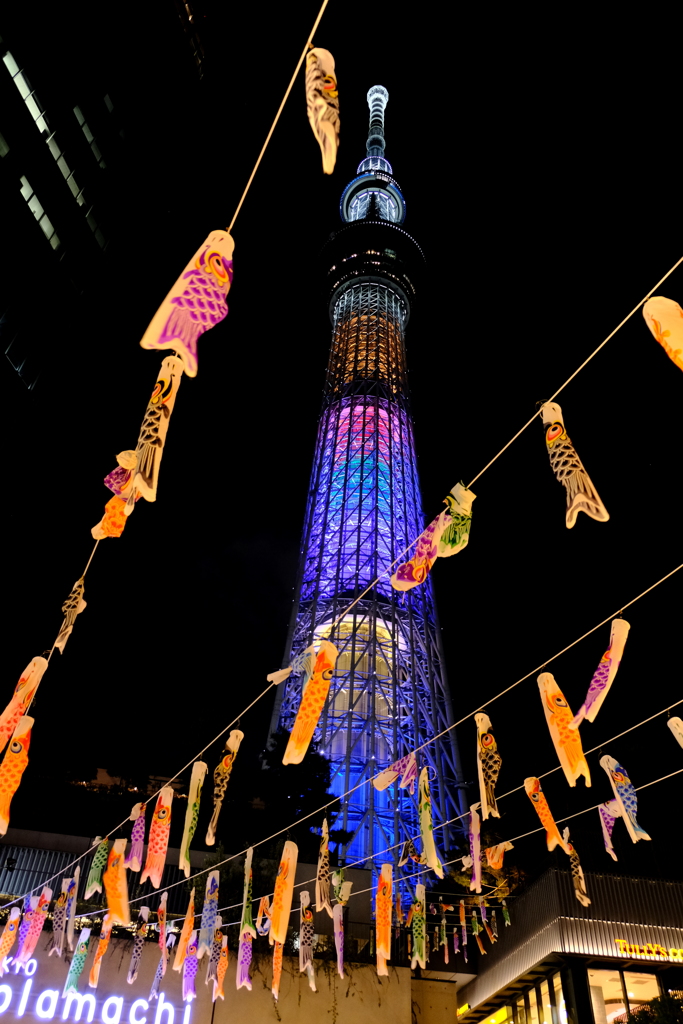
[
  {"x": 313, "y": 697},
  {"x": 13, "y": 767},
  {"x": 116, "y": 884}
]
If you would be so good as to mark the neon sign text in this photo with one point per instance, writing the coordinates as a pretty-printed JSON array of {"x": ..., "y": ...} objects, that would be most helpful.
[
  {"x": 82, "y": 1007},
  {"x": 649, "y": 949}
]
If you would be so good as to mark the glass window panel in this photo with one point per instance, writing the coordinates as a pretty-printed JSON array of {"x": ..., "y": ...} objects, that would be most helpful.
[
  {"x": 64, "y": 167},
  {"x": 606, "y": 995},
  {"x": 96, "y": 150},
  {"x": 559, "y": 1000},
  {"x": 46, "y": 225},
  {"x": 33, "y": 106},
  {"x": 10, "y": 63},
  {"x": 55, "y": 148},
  {"x": 79, "y": 115},
  {"x": 101, "y": 240},
  {"x": 22, "y": 85},
  {"x": 641, "y": 989},
  {"x": 546, "y": 1009},
  {"x": 73, "y": 184},
  {"x": 80, "y": 199},
  {"x": 35, "y": 207},
  {"x": 42, "y": 124},
  {"x": 26, "y": 189},
  {"x": 533, "y": 1007},
  {"x": 521, "y": 1011},
  {"x": 54, "y": 241},
  {"x": 92, "y": 223},
  {"x": 108, "y": 103},
  {"x": 4, "y": 148}
]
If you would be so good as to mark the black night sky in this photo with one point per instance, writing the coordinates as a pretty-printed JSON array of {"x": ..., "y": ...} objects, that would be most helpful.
[{"x": 533, "y": 158}]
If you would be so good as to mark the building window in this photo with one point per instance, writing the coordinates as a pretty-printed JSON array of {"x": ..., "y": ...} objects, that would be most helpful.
[
  {"x": 545, "y": 1007},
  {"x": 533, "y": 1016},
  {"x": 89, "y": 137},
  {"x": 36, "y": 209},
  {"x": 641, "y": 989},
  {"x": 521, "y": 1011},
  {"x": 560, "y": 1006}
]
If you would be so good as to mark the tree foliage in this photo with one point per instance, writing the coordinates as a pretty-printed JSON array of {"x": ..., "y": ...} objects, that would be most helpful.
[{"x": 667, "y": 1009}]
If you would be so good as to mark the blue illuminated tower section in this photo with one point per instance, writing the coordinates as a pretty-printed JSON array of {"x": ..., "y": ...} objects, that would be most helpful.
[{"x": 389, "y": 693}]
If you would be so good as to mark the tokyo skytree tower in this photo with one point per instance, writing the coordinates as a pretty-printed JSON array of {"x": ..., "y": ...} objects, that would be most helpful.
[{"x": 389, "y": 693}]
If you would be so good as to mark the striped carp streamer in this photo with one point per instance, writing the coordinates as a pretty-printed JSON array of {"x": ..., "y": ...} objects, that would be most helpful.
[
  {"x": 30, "y": 906},
  {"x": 157, "y": 843},
  {"x": 577, "y": 873},
  {"x": 625, "y": 796},
  {"x": 59, "y": 919},
  {"x": 137, "y": 838},
  {"x": 13, "y": 767},
  {"x": 209, "y": 914},
  {"x": 282, "y": 897},
  {"x": 475, "y": 848},
  {"x": 24, "y": 692},
  {"x": 186, "y": 932},
  {"x": 609, "y": 812},
  {"x": 566, "y": 740},
  {"x": 103, "y": 943},
  {"x": 322, "y": 878},
  {"x": 199, "y": 770},
  {"x": 99, "y": 863},
  {"x": 161, "y": 967},
  {"x": 116, "y": 884},
  {"x": 71, "y": 899},
  {"x": 221, "y": 970},
  {"x": 569, "y": 469},
  {"x": 429, "y": 855},
  {"x": 313, "y": 697},
  {"x": 138, "y": 944},
  {"x": 247, "y": 929},
  {"x": 322, "y": 104},
  {"x": 33, "y": 935},
  {"x": 488, "y": 766},
  {"x": 306, "y": 936},
  {"x": 496, "y": 854},
  {"x": 603, "y": 677},
  {"x": 221, "y": 777},
  {"x": 664, "y": 317},
  {"x": 406, "y": 768},
  {"x": 537, "y": 797},
  {"x": 77, "y": 962},
  {"x": 190, "y": 968},
  {"x": 214, "y": 956},
  {"x": 446, "y": 535},
  {"x": 338, "y": 924},
  {"x": 9, "y": 937},
  {"x": 72, "y": 607},
  {"x": 196, "y": 302},
  {"x": 161, "y": 920},
  {"x": 383, "y": 909},
  {"x": 417, "y": 918}
]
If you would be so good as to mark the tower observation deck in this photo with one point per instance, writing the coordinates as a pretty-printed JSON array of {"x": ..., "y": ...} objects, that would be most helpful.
[{"x": 389, "y": 693}]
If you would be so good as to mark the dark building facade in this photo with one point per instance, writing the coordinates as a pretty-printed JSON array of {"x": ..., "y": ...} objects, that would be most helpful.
[{"x": 562, "y": 963}]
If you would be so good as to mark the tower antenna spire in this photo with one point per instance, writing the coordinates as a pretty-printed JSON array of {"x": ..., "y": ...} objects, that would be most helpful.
[{"x": 378, "y": 97}]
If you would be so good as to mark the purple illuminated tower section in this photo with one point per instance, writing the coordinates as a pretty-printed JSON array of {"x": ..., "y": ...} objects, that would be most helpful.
[{"x": 389, "y": 693}]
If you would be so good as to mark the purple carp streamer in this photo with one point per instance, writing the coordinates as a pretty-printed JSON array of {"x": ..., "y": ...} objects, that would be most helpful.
[{"x": 195, "y": 303}]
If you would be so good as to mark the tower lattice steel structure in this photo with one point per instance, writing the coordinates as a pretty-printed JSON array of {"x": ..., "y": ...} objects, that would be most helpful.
[{"x": 389, "y": 693}]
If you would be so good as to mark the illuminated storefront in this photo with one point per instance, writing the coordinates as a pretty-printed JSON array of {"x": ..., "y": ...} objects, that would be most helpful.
[{"x": 561, "y": 963}]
